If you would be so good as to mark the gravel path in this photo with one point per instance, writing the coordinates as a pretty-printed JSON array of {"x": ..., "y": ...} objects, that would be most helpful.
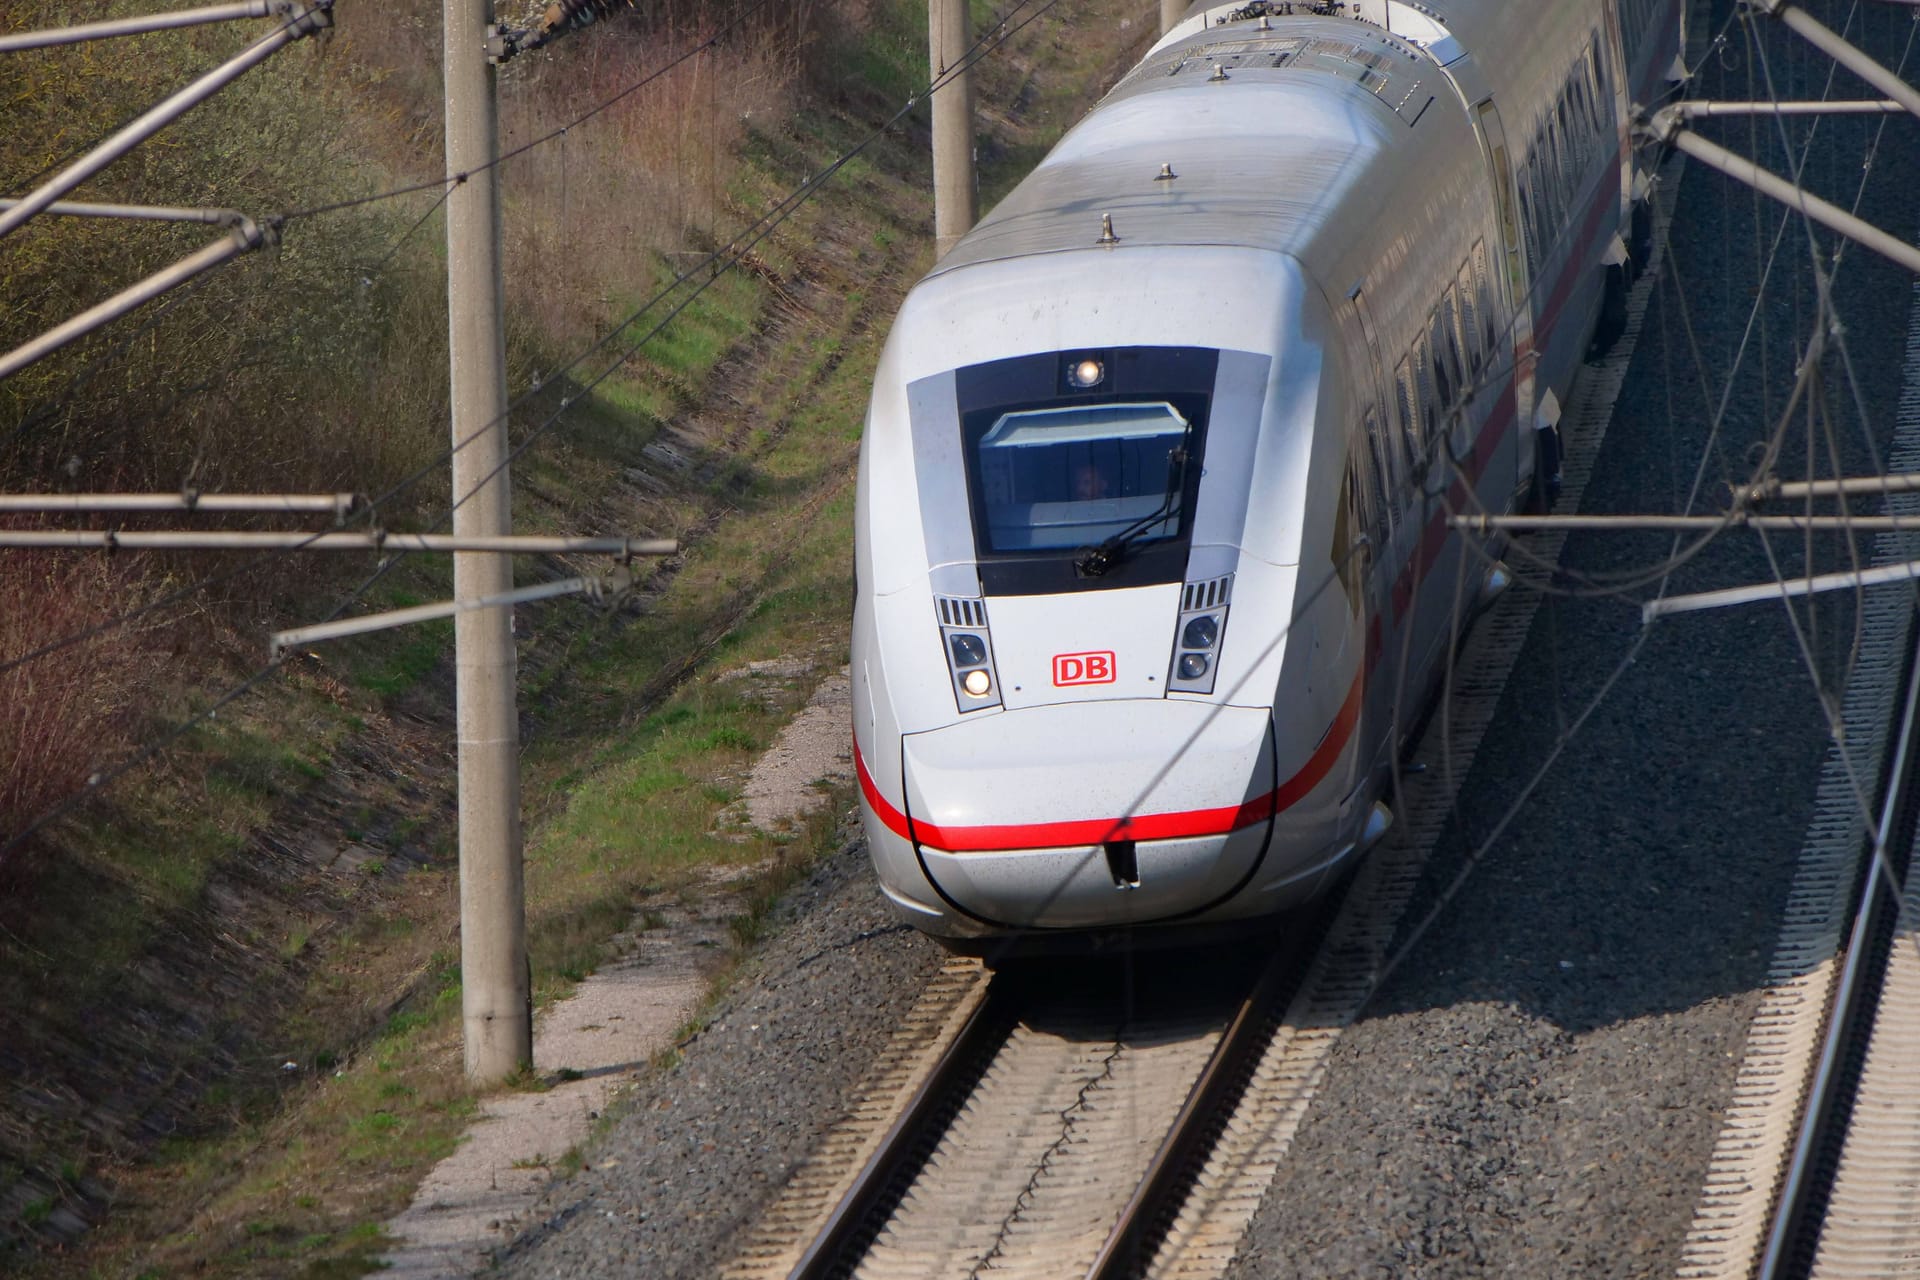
[{"x": 697, "y": 1151}]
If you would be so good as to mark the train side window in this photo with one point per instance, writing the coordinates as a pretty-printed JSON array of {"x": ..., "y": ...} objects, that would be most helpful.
[
  {"x": 1433, "y": 396},
  {"x": 1553, "y": 162},
  {"x": 1446, "y": 344},
  {"x": 1558, "y": 167},
  {"x": 1580, "y": 120},
  {"x": 1590, "y": 75},
  {"x": 1483, "y": 290},
  {"x": 1546, "y": 212},
  {"x": 1528, "y": 226},
  {"x": 1566, "y": 135},
  {"x": 1347, "y": 564},
  {"x": 1470, "y": 327},
  {"x": 1385, "y": 474},
  {"x": 1407, "y": 387},
  {"x": 1350, "y": 554}
]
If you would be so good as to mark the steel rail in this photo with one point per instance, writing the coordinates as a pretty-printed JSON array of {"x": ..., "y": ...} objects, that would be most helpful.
[
  {"x": 899, "y": 1146},
  {"x": 1852, "y": 1006},
  {"x": 1219, "y": 1082}
]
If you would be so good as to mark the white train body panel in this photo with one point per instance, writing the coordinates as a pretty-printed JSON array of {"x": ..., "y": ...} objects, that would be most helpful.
[{"x": 1146, "y": 572}]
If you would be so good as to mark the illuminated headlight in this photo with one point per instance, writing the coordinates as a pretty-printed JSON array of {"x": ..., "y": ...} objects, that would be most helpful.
[
  {"x": 1193, "y": 666},
  {"x": 1200, "y": 633},
  {"x": 968, "y": 640},
  {"x": 968, "y": 651},
  {"x": 1087, "y": 373}
]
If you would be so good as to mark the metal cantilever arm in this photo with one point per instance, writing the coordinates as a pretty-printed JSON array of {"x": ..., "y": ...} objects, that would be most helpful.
[
  {"x": 313, "y": 17},
  {"x": 613, "y": 584},
  {"x": 244, "y": 238},
  {"x": 141, "y": 25},
  {"x": 138, "y": 212},
  {"x": 1835, "y": 46},
  {"x": 1667, "y": 126}
]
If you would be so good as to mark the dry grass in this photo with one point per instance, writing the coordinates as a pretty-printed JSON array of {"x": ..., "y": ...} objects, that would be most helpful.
[{"x": 61, "y": 715}]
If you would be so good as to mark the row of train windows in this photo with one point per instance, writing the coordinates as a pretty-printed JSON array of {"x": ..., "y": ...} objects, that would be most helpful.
[
  {"x": 1569, "y": 136},
  {"x": 1446, "y": 364}
]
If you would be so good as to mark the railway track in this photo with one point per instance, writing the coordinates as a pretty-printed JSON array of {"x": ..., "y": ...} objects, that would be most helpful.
[
  {"x": 1002, "y": 1132},
  {"x": 1817, "y": 1172},
  {"x": 1105, "y": 1087}
]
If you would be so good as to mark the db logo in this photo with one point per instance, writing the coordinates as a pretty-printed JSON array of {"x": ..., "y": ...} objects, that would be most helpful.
[{"x": 1083, "y": 668}]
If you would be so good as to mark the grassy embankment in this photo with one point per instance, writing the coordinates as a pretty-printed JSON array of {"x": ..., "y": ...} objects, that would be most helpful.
[{"x": 735, "y": 430}]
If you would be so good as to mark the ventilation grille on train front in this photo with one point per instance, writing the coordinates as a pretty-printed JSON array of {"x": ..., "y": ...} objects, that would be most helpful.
[
  {"x": 1198, "y": 635},
  {"x": 969, "y": 649},
  {"x": 957, "y": 611},
  {"x": 1206, "y": 595}
]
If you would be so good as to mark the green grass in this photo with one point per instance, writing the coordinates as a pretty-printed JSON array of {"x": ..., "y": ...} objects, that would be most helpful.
[
  {"x": 400, "y": 666},
  {"x": 637, "y": 740}
]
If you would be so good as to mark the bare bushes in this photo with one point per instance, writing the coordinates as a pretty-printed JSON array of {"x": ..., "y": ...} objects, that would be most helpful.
[
  {"x": 589, "y": 215},
  {"x": 216, "y": 385},
  {"x": 69, "y": 712}
]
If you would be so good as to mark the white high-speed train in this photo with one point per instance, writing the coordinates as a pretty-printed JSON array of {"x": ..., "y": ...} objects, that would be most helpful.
[{"x": 1151, "y": 549}]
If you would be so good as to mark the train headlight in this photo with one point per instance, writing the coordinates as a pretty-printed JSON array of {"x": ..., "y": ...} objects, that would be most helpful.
[
  {"x": 969, "y": 650},
  {"x": 1087, "y": 373},
  {"x": 1200, "y": 633},
  {"x": 968, "y": 640}
]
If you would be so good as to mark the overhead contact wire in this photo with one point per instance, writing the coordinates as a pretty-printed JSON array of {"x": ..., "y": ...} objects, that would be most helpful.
[{"x": 994, "y": 39}]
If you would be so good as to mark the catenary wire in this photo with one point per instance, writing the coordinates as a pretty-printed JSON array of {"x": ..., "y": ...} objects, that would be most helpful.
[
  {"x": 454, "y": 180},
  {"x": 97, "y": 781},
  {"x": 1566, "y": 737},
  {"x": 179, "y": 594},
  {"x": 1004, "y": 946},
  {"x": 719, "y": 259}
]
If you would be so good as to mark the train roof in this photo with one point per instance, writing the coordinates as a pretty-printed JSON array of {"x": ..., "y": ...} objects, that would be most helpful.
[{"x": 1309, "y": 100}]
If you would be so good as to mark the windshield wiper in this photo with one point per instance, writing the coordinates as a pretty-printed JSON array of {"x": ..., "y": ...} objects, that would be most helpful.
[{"x": 1094, "y": 562}]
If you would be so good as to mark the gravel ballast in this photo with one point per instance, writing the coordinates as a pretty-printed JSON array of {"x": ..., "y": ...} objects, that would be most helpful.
[
  {"x": 698, "y": 1150},
  {"x": 1537, "y": 1089}
]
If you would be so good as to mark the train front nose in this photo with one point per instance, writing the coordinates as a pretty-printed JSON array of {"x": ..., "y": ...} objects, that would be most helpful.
[{"x": 1092, "y": 814}]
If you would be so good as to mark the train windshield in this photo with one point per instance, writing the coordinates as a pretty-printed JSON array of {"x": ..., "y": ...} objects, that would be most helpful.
[{"x": 1071, "y": 477}]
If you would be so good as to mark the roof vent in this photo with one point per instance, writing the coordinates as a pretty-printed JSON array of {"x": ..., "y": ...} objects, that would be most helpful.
[
  {"x": 1166, "y": 174},
  {"x": 1106, "y": 230},
  {"x": 1219, "y": 72}
]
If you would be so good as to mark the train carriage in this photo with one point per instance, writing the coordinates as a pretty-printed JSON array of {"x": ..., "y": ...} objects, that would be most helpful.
[{"x": 1151, "y": 551}]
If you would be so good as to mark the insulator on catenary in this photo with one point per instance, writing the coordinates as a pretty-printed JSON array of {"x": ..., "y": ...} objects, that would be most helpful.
[{"x": 571, "y": 15}]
